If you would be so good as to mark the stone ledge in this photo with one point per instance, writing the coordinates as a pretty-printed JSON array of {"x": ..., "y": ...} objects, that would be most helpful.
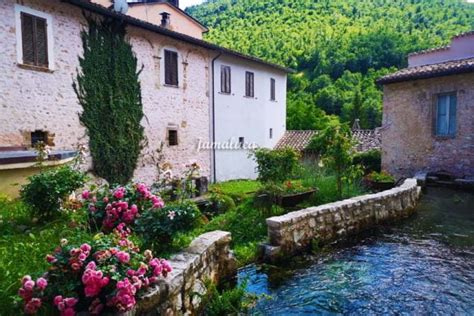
[
  {"x": 293, "y": 232},
  {"x": 208, "y": 257}
]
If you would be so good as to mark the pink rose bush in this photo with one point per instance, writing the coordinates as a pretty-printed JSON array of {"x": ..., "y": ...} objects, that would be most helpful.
[
  {"x": 108, "y": 208},
  {"x": 103, "y": 276}
]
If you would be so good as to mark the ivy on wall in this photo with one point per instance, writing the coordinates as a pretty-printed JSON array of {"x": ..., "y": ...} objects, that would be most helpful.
[{"x": 108, "y": 89}]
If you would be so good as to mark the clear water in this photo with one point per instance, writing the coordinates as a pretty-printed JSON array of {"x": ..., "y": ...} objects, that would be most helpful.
[{"x": 422, "y": 266}]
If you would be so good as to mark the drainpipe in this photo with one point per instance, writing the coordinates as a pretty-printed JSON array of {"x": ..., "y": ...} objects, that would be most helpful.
[{"x": 214, "y": 118}]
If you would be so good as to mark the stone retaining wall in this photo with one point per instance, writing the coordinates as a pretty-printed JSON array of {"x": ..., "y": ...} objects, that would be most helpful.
[
  {"x": 207, "y": 258},
  {"x": 293, "y": 232}
]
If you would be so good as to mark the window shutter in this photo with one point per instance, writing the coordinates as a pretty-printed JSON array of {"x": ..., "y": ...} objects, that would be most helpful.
[
  {"x": 247, "y": 84},
  {"x": 272, "y": 89},
  {"x": 41, "y": 42},
  {"x": 441, "y": 119},
  {"x": 27, "y": 39},
  {"x": 225, "y": 79},
  {"x": 228, "y": 87},
  {"x": 174, "y": 68},
  {"x": 452, "y": 114},
  {"x": 252, "y": 89},
  {"x": 222, "y": 79},
  {"x": 249, "y": 79},
  {"x": 171, "y": 67}
]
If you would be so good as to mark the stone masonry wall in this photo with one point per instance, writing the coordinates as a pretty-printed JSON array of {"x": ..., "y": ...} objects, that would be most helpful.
[
  {"x": 293, "y": 232},
  {"x": 207, "y": 258},
  {"x": 44, "y": 100},
  {"x": 408, "y": 141}
]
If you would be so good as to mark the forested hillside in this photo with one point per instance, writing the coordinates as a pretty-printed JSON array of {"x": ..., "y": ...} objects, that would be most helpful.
[{"x": 338, "y": 47}]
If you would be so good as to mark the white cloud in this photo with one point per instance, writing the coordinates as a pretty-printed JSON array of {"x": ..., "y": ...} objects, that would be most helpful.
[{"x": 187, "y": 3}]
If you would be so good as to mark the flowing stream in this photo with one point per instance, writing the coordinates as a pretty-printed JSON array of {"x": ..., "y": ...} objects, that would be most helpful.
[{"x": 423, "y": 266}]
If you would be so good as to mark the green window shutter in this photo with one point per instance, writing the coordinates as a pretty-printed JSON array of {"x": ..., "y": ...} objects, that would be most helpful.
[
  {"x": 452, "y": 114},
  {"x": 441, "y": 115}
]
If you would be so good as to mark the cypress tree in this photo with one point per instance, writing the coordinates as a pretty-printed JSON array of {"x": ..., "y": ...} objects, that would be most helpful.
[{"x": 108, "y": 89}]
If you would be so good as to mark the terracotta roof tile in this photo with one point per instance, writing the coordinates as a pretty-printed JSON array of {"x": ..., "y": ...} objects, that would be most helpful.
[
  {"x": 296, "y": 139},
  {"x": 366, "y": 139},
  {"x": 429, "y": 71}
]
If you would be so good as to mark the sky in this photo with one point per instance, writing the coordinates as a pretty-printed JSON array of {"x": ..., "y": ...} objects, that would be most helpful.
[{"x": 186, "y": 3}]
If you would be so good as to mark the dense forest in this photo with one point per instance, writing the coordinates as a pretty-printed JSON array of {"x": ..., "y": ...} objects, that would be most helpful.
[{"x": 338, "y": 47}]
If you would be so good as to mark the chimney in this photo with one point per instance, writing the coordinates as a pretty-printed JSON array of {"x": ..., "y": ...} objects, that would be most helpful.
[{"x": 165, "y": 19}]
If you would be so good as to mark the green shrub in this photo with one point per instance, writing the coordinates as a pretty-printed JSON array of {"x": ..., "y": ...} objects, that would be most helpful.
[
  {"x": 335, "y": 145},
  {"x": 46, "y": 191},
  {"x": 381, "y": 176},
  {"x": 370, "y": 160},
  {"x": 221, "y": 202},
  {"x": 267, "y": 196},
  {"x": 234, "y": 301},
  {"x": 159, "y": 227},
  {"x": 323, "y": 179},
  {"x": 276, "y": 165}
]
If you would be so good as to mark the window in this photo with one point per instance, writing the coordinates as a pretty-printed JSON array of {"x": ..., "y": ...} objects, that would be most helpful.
[
  {"x": 225, "y": 79},
  {"x": 172, "y": 137},
  {"x": 171, "y": 67},
  {"x": 38, "y": 136},
  {"x": 271, "y": 133},
  {"x": 249, "y": 84},
  {"x": 446, "y": 115},
  {"x": 272, "y": 89},
  {"x": 34, "y": 40},
  {"x": 241, "y": 142}
]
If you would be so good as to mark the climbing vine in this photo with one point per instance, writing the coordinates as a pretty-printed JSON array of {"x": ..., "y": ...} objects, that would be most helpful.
[{"x": 108, "y": 89}]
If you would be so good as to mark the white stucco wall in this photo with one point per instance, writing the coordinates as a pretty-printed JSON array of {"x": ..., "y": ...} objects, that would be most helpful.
[
  {"x": 31, "y": 100},
  {"x": 239, "y": 116}
]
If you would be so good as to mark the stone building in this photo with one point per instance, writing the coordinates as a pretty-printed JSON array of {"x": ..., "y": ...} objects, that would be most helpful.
[
  {"x": 37, "y": 100},
  {"x": 428, "y": 112}
]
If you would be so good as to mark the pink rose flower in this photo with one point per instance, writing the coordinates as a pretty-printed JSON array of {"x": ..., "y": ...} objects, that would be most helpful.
[
  {"x": 25, "y": 278},
  {"x": 119, "y": 193},
  {"x": 85, "y": 194},
  {"x": 41, "y": 283},
  {"x": 123, "y": 256},
  {"x": 29, "y": 285},
  {"x": 86, "y": 247},
  {"x": 57, "y": 299},
  {"x": 51, "y": 259}
]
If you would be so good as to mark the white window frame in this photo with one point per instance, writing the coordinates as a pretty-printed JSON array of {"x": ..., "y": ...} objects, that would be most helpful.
[
  {"x": 162, "y": 67},
  {"x": 19, "y": 36}
]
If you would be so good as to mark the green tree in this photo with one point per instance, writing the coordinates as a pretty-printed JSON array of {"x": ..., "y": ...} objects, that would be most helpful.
[
  {"x": 334, "y": 144},
  {"x": 332, "y": 44},
  {"x": 108, "y": 89}
]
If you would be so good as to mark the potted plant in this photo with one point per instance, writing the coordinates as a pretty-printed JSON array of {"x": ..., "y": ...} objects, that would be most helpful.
[
  {"x": 294, "y": 193},
  {"x": 379, "y": 181}
]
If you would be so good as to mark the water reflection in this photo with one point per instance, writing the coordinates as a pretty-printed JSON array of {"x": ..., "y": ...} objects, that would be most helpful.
[{"x": 422, "y": 266}]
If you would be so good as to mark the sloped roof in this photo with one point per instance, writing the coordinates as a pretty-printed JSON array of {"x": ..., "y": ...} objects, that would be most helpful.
[
  {"x": 367, "y": 139},
  {"x": 453, "y": 67},
  {"x": 98, "y": 9},
  {"x": 296, "y": 139}
]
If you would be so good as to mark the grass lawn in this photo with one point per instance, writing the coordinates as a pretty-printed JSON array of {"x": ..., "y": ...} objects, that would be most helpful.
[
  {"x": 25, "y": 243},
  {"x": 237, "y": 187}
]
